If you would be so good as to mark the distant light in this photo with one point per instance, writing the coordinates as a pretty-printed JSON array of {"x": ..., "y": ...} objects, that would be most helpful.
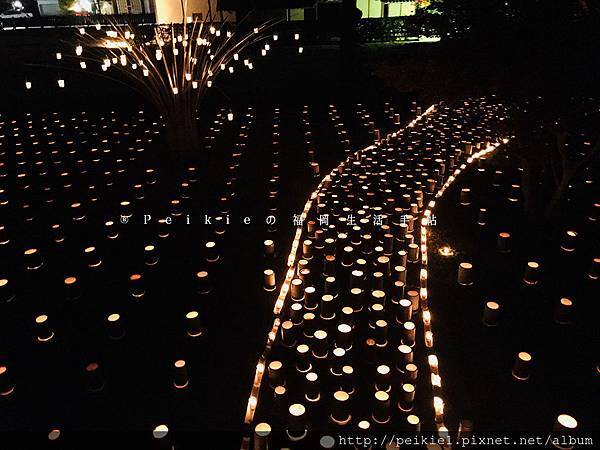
[
  {"x": 296, "y": 36},
  {"x": 275, "y": 37},
  {"x": 78, "y": 50},
  {"x": 28, "y": 85},
  {"x": 83, "y": 65},
  {"x": 61, "y": 83},
  {"x": 58, "y": 55},
  {"x": 230, "y": 116},
  {"x": 194, "y": 85},
  {"x": 446, "y": 251},
  {"x": 300, "y": 49}
]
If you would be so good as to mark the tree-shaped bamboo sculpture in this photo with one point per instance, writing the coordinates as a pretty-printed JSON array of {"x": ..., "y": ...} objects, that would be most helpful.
[{"x": 172, "y": 66}]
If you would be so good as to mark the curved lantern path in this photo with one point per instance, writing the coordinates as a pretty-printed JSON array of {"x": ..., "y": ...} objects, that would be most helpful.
[{"x": 352, "y": 346}]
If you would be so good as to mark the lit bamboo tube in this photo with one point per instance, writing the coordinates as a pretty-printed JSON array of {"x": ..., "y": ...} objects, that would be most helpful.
[
  {"x": 491, "y": 313},
  {"x": 163, "y": 229},
  {"x": 297, "y": 313},
  {"x": 522, "y": 367},
  {"x": 136, "y": 285},
  {"x": 465, "y": 196},
  {"x": 309, "y": 321},
  {"x": 515, "y": 193},
  {"x": 161, "y": 438},
  {"x": 115, "y": 327},
  {"x": 7, "y": 386},
  {"x": 269, "y": 280},
  {"x": 381, "y": 333},
  {"x": 94, "y": 378},
  {"x": 382, "y": 378},
  {"x": 400, "y": 273},
  {"x": 376, "y": 312},
  {"x": 376, "y": 281},
  {"x": 319, "y": 349},
  {"x": 388, "y": 245},
  {"x": 337, "y": 361},
  {"x": 54, "y": 436},
  {"x": 310, "y": 298},
  {"x": 413, "y": 297},
  {"x": 327, "y": 307},
  {"x": 343, "y": 337},
  {"x": 414, "y": 423},
  {"x": 594, "y": 271},
  {"x": 407, "y": 397},
  {"x": 348, "y": 256},
  {"x": 465, "y": 274},
  {"x": 356, "y": 299},
  {"x": 331, "y": 286},
  {"x": 465, "y": 429},
  {"x": 569, "y": 240},
  {"x": 6, "y": 291},
  {"x": 312, "y": 392},
  {"x": 302, "y": 361},
  {"x": 296, "y": 428},
  {"x": 357, "y": 279},
  {"x": 329, "y": 266},
  {"x": 503, "y": 242},
  {"x": 307, "y": 252},
  {"x": 340, "y": 413},
  {"x": 275, "y": 373},
  {"x": 212, "y": 254},
  {"x": 91, "y": 257},
  {"x": 482, "y": 216},
  {"x": 411, "y": 373},
  {"x": 289, "y": 334},
  {"x": 180, "y": 378},
  {"x": 262, "y": 436},
  {"x": 57, "y": 233},
  {"x": 151, "y": 176},
  {"x": 565, "y": 426},
  {"x": 72, "y": 288},
  {"x": 532, "y": 273},
  {"x": 397, "y": 291},
  {"x": 408, "y": 334},
  {"x": 33, "y": 259},
  {"x": 77, "y": 212},
  {"x": 381, "y": 407},
  {"x": 404, "y": 310},
  {"x": 347, "y": 382},
  {"x": 44, "y": 332},
  {"x": 193, "y": 324},
  {"x": 269, "y": 248},
  {"x": 305, "y": 276},
  {"x": 404, "y": 356},
  {"x": 563, "y": 313},
  {"x": 297, "y": 289},
  {"x": 150, "y": 255}
]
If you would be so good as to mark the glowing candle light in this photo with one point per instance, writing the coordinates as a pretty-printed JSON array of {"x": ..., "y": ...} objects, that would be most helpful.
[
  {"x": 236, "y": 56},
  {"x": 58, "y": 55},
  {"x": 300, "y": 49},
  {"x": 296, "y": 36},
  {"x": 28, "y": 85},
  {"x": 61, "y": 83},
  {"x": 78, "y": 50},
  {"x": 230, "y": 116},
  {"x": 188, "y": 76},
  {"x": 194, "y": 85},
  {"x": 158, "y": 55},
  {"x": 83, "y": 65},
  {"x": 209, "y": 83},
  {"x": 263, "y": 52},
  {"x": 275, "y": 37}
]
